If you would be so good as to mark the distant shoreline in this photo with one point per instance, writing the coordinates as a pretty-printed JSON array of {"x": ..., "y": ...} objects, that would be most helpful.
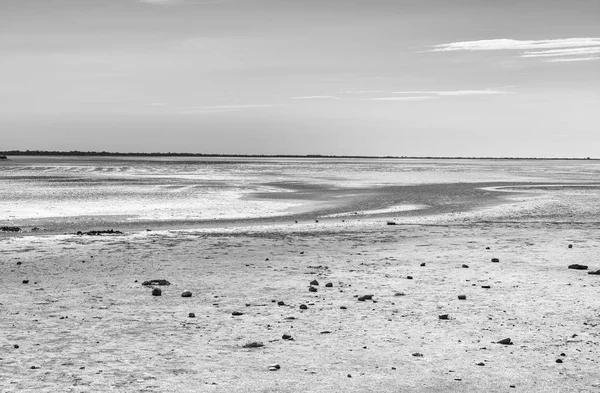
[{"x": 78, "y": 153}]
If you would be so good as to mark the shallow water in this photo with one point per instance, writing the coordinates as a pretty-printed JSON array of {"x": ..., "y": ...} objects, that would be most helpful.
[{"x": 46, "y": 190}]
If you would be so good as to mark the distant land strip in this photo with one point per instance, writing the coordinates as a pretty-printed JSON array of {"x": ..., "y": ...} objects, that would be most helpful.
[{"x": 5, "y": 154}]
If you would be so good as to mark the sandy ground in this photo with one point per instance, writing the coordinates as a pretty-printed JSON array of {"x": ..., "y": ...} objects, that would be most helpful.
[{"x": 84, "y": 322}]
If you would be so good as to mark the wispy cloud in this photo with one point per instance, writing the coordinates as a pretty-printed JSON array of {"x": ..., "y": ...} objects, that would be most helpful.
[
  {"x": 560, "y": 47},
  {"x": 455, "y": 92},
  {"x": 570, "y": 59},
  {"x": 207, "y": 109},
  {"x": 178, "y": 2},
  {"x": 414, "y": 98},
  {"x": 323, "y": 97}
]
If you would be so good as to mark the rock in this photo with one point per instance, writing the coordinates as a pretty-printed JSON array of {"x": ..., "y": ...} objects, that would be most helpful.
[
  {"x": 349, "y": 375},
  {"x": 481, "y": 364},
  {"x": 237, "y": 313},
  {"x": 559, "y": 361},
  {"x": 495, "y": 260},
  {"x": 329, "y": 285},
  {"x": 597, "y": 272},
  {"x": 368, "y": 297},
  {"x": 577, "y": 266},
  {"x": 156, "y": 282},
  {"x": 485, "y": 286},
  {"x": 417, "y": 355},
  {"x": 505, "y": 341},
  {"x": 10, "y": 229},
  {"x": 274, "y": 367},
  {"x": 287, "y": 337},
  {"x": 409, "y": 277},
  {"x": 462, "y": 297},
  {"x": 18, "y": 263},
  {"x": 156, "y": 292},
  {"x": 312, "y": 289},
  {"x": 25, "y": 281},
  {"x": 391, "y": 223},
  {"x": 423, "y": 264},
  {"x": 254, "y": 344},
  {"x": 465, "y": 266},
  {"x": 570, "y": 246},
  {"x": 343, "y": 307},
  {"x": 280, "y": 303},
  {"x": 361, "y": 299},
  {"x": 192, "y": 315},
  {"x": 186, "y": 294},
  {"x": 444, "y": 316},
  {"x": 16, "y": 346},
  {"x": 487, "y": 248},
  {"x": 314, "y": 282},
  {"x": 399, "y": 294},
  {"x": 303, "y": 307}
]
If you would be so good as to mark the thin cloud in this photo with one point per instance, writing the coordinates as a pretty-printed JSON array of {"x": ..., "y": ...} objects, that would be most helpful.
[
  {"x": 221, "y": 108},
  {"x": 455, "y": 92},
  {"x": 323, "y": 97},
  {"x": 571, "y": 59},
  {"x": 560, "y": 47},
  {"x": 179, "y": 2},
  {"x": 415, "y": 98},
  {"x": 507, "y": 44}
]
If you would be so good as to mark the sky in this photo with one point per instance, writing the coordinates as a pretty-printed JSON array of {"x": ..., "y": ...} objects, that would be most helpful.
[{"x": 485, "y": 78}]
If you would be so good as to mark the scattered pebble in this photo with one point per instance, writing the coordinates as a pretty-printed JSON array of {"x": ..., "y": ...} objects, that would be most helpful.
[
  {"x": 329, "y": 285},
  {"x": 281, "y": 303},
  {"x": 287, "y": 337},
  {"x": 274, "y": 367},
  {"x": 417, "y": 355},
  {"x": 237, "y": 313},
  {"x": 25, "y": 281},
  {"x": 254, "y": 344},
  {"x": 481, "y": 364},
  {"x": 303, "y": 307},
  {"x": 577, "y": 266},
  {"x": 570, "y": 246},
  {"x": 487, "y": 248},
  {"x": 409, "y": 277},
  {"x": 465, "y": 266},
  {"x": 18, "y": 263},
  {"x": 559, "y": 361},
  {"x": 495, "y": 260},
  {"x": 186, "y": 294},
  {"x": 399, "y": 294},
  {"x": 16, "y": 346},
  {"x": 312, "y": 289},
  {"x": 444, "y": 316},
  {"x": 192, "y": 315},
  {"x": 423, "y": 264},
  {"x": 485, "y": 286},
  {"x": 462, "y": 297},
  {"x": 314, "y": 282},
  {"x": 156, "y": 292},
  {"x": 505, "y": 341},
  {"x": 368, "y": 297},
  {"x": 156, "y": 282},
  {"x": 343, "y": 307}
]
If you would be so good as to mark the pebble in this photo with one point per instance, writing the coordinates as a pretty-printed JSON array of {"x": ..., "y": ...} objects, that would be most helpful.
[
  {"x": 409, "y": 277},
  {"x": 274, "y": 367},
  {"x": 417, "y": 354},
  {"x": 25, "y": 281},
  {"x": 280, "y": 303},
  {"x": 186, "y": 294},
  {"x": 423, "y": 264},
  {"x": 481, "y": 364},
  {"x": 559, "y": 361},
  {"x": 329, "y": 285},
  {"x": 314, "y": 282},
  {"x": 444, "y": 316},
  {"x": 465, "y": 266},
  {"x": 343, "y": 307},
  {"x": 495, "y": 260},
  {"x": 312, "y": 289},
  {"x": 16, "y": 346},
  {"x": 505, "y": 341},
  {"x": 597, "y": 272},
  {"x": 18, "y": 263},
  {"x": 287, "y": 337},
  {"x": 462, "y": 297},
  {"x": 368, "y": 297},
  {"x": 303, "y": 307},
  {"x": 485, "y": 286},
  {"x": 361, "y": 299},
  {"x": 156, "y": 292},
  {"x": 192, "y": 315},
  {"x": 487, "y": 248},
  {"x": 237, "y": 313},
  {"x": 577, "y": 266},
  {"x": 570, "y": 246}
]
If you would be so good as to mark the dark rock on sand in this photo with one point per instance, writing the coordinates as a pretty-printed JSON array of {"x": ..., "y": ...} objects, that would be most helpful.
[
  {"x": 444, "y": 316},
  {"x": 329, "y": 285},
  {"x": 480, "y": 364},
  {"x": 409, "y": 277},
  {"x": 559, "y": 361},
  {"x": 237, "y": 313},
  {"x": 281, "y": 303},
  {"x": 361, "y": 299},
  {"x": 577, "y": 266},
  {"x": 192, "y": 315},
  {"x": 596, "y": 272},
  {"x": 465, "y": 266},
  {"x": 485, "y": 286},
  {"x": 343, "y": 307},
  {"x": 312, "y": 289},
  {"x": 417, "y": 355},
  {"x": 368, "y": 297},
  {"x": 274, "y": 367},
  {"x": 314, "y": 282},
  {"x": 156, "y": 292},
  {"x": 287, "y": 337},
  {"x": 254, "y": 344},
  {"x": 462, "y": 297},
  {"x": 495, "y": 260},
  {"x": 25, "y": 281},
  {"x": 100, "y": 232},
  {"x": 18, "y": 263},
  {"x": 505, "y": 341},
  {"x": 303, "y": 307},
  {"x": 156, "y": 282},
  {"x": 570, "y": 246},
  {"x": 423, "y": 264},
  {"x": 186, "y": 294},
  {"x": 487, "y": 248},
  {"x": 10, "y": 229}
]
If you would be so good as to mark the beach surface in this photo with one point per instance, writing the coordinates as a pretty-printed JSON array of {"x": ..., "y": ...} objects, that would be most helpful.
[{"x": 75, "y": 317}]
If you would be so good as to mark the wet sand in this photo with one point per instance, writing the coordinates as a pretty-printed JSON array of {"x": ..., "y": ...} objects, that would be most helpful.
[{"x": 84, "y": 322}]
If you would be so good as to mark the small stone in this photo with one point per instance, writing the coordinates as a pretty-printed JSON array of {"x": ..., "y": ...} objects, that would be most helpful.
[
  {"x": 312, "y": 289},
  {"x": 18, "y": 263},
  {"x": 274, "y": 367},
  {"x": 156, "y": 292},
  {"x": 254, "y": 344},
  {"x": 314, "y": 282},
  {"x": 505, "y": 341},
  {"x": 512, "y": 386},
  {"x": 303, "y": 307},
  {"x": 417, "y": 355},
  {"x": 237, "y": 313},
  {"x": 559, "y": 361},
  {"x": 329, "y": 285},
  {"x": 399, "y": 294},
  {"x": 287, "y": 337},
  {"x": 343, "y": 307},
  {"x": 266, "y": 259},
  {"x": 465, "y": 266},
  {"x": 577, "y": 266},
  {"x": 34, "y": 367},
  {"x": 409, "y": 277},
  {"x": 485, "y": 286},
  {"x": 361, "y": 299},
  {"x": 156, "y": 282},
  {"x": 349, "y": 376},
  {"x": 444, "y": 316},
  {"x": 368, "y": 297},
  {"x": 462, "y": 297},
  {"x": 495, "y": 260},
  {"x": 25, "y": 281},
  {"x": 596, "y": 273},
  {"x": 481, "y": 364},
  {"x": 487, "y": 248},
  {"x": 186, "y": 294},
  {"x": 16, "y": 346},
  {"x": 192, "y": 315},
  {"x": 563, "y": 354},
  {"x": 280, "y": 303},
  {"x": 570, "y": 246},
  {"x": 423, "y": 264}
]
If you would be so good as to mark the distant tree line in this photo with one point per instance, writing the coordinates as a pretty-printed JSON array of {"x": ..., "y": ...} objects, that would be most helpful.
[{"x": 5, "y": 154}]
